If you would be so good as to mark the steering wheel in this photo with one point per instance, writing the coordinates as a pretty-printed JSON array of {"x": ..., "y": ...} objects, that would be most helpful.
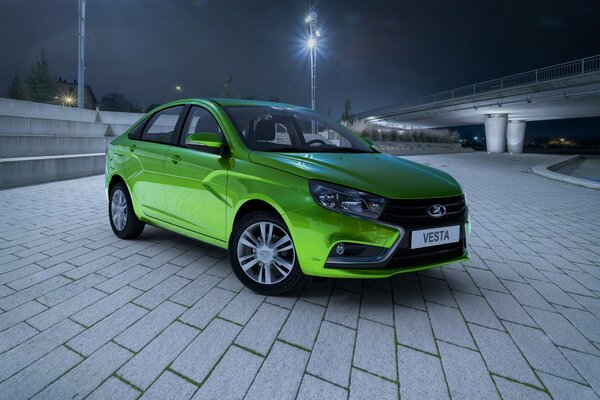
[{"x": 320, "y": 141}]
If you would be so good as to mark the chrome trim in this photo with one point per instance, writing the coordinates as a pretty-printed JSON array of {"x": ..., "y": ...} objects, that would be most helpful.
[{"x": 381, "y": 258}]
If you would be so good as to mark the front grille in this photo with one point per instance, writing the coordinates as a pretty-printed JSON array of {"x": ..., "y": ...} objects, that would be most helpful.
[
  {"x": 413, "y": 213},
  {"x": 405, "y": 257}
]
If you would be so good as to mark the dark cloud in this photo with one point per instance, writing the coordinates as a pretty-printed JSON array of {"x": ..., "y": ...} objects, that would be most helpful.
[{"x": 373, "y": 52}]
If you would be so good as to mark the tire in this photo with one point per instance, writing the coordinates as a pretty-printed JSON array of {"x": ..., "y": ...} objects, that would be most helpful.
[
  {"x": 256, "y": 264},
  {"x": 130, "y": 226}
]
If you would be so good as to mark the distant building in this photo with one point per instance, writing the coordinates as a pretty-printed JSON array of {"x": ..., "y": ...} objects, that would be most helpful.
[{"x": 66, "y": 94}]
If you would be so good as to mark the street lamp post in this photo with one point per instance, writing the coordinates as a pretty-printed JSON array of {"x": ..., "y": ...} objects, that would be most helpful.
[
  {"x": 313, "y": 34},
  {"x": 81, "y": 61}
]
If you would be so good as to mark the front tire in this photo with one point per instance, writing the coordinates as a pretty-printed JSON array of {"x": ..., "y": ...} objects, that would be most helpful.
[
  {"x": 262, "y": 254},
  {"x": 123, "y": 220}
]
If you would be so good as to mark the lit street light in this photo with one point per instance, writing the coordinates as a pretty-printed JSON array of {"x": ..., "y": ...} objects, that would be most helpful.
[
  {"x": 178, "y": 90},
  {"x": 311, "y": 43}
]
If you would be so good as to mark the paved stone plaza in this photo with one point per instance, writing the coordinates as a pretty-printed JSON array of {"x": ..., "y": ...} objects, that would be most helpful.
[{"x": 84, "y": 313}]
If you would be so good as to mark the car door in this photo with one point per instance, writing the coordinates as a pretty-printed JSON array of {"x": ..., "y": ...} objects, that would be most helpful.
[
  {"x": 144, "y": 160},
  {"x": 196, "y": 180}
]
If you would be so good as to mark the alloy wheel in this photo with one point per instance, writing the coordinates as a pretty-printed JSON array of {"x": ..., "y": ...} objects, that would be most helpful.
[{"x": 119, "y": 209}]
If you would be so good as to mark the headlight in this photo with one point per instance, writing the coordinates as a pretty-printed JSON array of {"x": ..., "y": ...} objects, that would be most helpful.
[{"x": 346, "y": 200}]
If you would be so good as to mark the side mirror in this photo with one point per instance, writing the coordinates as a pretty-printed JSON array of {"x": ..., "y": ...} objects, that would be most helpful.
[{"x": 204, "y": 141}]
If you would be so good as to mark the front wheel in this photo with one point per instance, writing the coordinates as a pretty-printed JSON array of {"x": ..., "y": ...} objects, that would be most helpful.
[
  {"x": 262, "y": 254},
  {"x": 123, "y": 220}
]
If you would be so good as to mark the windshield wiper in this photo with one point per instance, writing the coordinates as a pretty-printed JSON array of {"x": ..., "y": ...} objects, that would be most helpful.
[{"x": 341, "y": 150}]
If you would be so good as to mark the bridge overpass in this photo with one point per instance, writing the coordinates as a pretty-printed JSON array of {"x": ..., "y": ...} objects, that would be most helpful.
[{"x": 504, "y": 105}]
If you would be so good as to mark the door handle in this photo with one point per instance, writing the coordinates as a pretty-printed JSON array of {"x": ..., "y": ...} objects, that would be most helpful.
[
  {"x": 132, "y": 147},
  {"x": 174, "y": 158}
]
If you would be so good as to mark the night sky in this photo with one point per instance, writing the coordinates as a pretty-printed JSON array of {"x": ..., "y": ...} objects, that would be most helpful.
[{"x": 373, "y": 52}]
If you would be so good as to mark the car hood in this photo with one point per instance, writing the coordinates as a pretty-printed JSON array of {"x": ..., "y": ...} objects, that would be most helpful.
[{"x": 377, "y": 173}]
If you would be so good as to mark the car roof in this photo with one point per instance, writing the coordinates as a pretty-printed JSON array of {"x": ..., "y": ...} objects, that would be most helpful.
[{"x": 225, "y": 102}]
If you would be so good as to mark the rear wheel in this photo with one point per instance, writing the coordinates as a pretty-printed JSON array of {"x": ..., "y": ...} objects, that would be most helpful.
[
  {"x": 262, "y": 254},
  {"x": 123, "y": 220}
]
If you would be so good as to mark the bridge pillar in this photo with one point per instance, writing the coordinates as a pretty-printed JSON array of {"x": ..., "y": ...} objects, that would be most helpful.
[
  {"x": 495, "y": 132},
  {"x": 515, "y": 135}
]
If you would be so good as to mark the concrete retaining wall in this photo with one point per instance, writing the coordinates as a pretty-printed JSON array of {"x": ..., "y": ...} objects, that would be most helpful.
[{"x": 45, "y": 142}]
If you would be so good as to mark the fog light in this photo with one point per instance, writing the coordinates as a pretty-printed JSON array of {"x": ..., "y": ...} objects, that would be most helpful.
[{"x": 340, "y": 248}]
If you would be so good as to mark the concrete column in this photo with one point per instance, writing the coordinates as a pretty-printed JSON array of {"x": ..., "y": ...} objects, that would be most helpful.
[
  {"x": 515, "y": 135},
  {"x": 495, "y": 132}
]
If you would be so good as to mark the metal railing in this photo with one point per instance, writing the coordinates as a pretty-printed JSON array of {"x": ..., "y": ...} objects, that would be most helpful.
[{"x": 571, "y": 68}]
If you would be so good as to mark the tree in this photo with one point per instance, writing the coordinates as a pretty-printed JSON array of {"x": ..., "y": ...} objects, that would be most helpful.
[
  {"x": 117, "y": 102},
  {"x": 15, "y": 90},
  {"x": 41, "y": 87},
  {"x": 347, "y": 116},
  {"x": 228, "y": 90}
]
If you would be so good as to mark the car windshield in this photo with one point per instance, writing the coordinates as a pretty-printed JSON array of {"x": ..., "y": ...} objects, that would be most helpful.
[{"x": 294, "y": 130}]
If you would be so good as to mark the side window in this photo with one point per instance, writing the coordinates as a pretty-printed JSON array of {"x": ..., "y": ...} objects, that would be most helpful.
[
  {"x": 161, "y": 127},
  {"x": 199, "y": 120}
]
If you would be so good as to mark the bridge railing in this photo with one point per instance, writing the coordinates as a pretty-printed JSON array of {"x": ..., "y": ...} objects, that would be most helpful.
[{"x": 571, "y": 68}]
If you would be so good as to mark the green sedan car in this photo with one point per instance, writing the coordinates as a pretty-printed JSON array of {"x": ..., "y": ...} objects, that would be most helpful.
[{"x": 286, "y": 191}]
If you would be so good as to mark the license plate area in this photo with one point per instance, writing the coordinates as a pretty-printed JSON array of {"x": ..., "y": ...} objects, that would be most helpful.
[{"x": 434, "y": 236}]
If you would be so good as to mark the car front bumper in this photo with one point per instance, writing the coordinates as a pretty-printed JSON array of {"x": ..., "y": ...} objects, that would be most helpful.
[{"x": 316, "y": 236}]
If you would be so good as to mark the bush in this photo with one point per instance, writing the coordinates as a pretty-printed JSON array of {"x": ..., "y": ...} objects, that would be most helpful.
[{"x": 383, "y": 133}]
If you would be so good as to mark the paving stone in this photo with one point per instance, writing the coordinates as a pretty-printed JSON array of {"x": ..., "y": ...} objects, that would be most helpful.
[
  {"x": 15, "y": 335},
  {"x": 200, "y": 357},
  {"x": 515, "y": 391},
  {"x": 23, "y": 296},
  {"x": 121, "y": 266},
  {"x": 169, "y": 387},
  {"x": 72, "y": 289},
  {"x": 220, "y": 269},
  {"x": 526, "y": 295},
  {"x": 35, "y": 278},
  {"x": 36, "y": 347},
  {"x": 486, "y": 280},
  {"x": 232, "y": 377},
  {"x": 20, "y": 314},
  {"x": 449, "y": 325},
  {"x": 95, "y": 337},
  {"x": 553, "y": 293},
  {"x": 502, "y": 355},
  {"x": 194, "y": 291},
  {"x": 567, "y": 390},
  {"x": 420, "y": 375},
  {"x": 476, "y": 309},
  {"x": 437, "y": 291},
  {"x": 148, "y": 364},
  {"x": 413, "y": 329},
  {"x": 104, "y": 307},
  {"x": 460, "y": 281},
  {"x": 375, "y": 349},
  {"x": 89, "y": 268},
  {"x": 162, "y": 258},
  {"x": 124, "y": 278},
  {"x": 303, "y": 324},
  {"x": 65, "y": 309},
  {"x": 366, "y": 386},
  {"x": 114, "y": 388},
  {"x": 283, "y": 364},
  {"x": 507, "y": 308},
  {"x": 377, "y": 306},
  {"x": 149, "y": 280},
  {"x": 38, "y": 375},
  {"x": 568, "y": 284},
  {"x": 541, "y": 353},
  {"x": 587, "y": 365},
  {"x": 233, "y": 284},
  {"x": 331, "y": 358},
  {"x": 242, "y": 307},
  {"x": 561, "y": 331},
  {"x": 198, "y": 267},
  {"x": 466, "y": 373},
  {"x": 318, "y": 292},
  {"x": 584, "y": 321},
  {"x": 315, "y": 388},
  {"x": 262, "y": 329},
  {"x": 5, "y": 291},
  {"x": 88, "y": 375},
  {"x": 343, "y": 308},
  {"x": 147, "y": 328},
  {"x": 168, "y": 288}
]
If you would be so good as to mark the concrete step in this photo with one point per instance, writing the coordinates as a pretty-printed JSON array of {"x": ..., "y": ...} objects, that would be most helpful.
[
  {"x": 23, "y": 171},
  {"x": 49, "y": 145}
]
